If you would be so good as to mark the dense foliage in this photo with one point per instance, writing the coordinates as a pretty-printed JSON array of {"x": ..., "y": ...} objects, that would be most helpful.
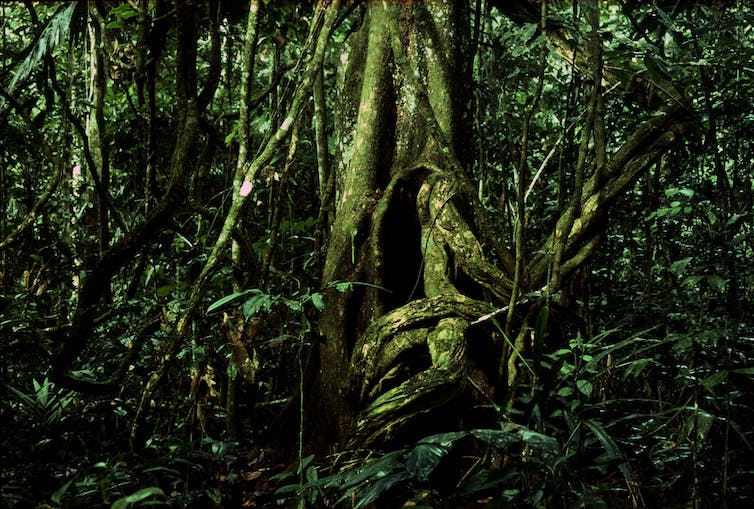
[{"x": 143, "y": 364}]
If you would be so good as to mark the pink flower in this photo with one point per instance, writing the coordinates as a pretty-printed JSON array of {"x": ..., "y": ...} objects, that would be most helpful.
[{"x": 245, "y": 188}]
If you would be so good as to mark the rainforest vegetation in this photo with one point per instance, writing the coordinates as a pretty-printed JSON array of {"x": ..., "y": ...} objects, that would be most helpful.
[{"x": 377, "y": 254}]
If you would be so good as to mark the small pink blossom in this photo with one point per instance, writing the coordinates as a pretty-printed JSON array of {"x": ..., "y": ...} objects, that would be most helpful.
[{"x": 245, "y": 188}]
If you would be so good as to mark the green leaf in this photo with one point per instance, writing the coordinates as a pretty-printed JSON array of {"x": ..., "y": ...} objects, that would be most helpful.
[
  {"x": 342, "y": 286},
  {"x": 715, "y": 379},
  {"x": 305, "y": 461},
  {"x": 678, "y": 266},
  {"x": 54, "y": 32},
  {"x": 379, "y": 487},
  {"x": 164, "y": 291},
  {"x": 674, "y": 191},
  {"x": 521, "y": 98},
  {"x": 691, "y": 281},
  {"x": 717, "y": 283},
  {"x": 496, "y": 438},
  {"x": 585, "y": 387},
  {"x": 698, "y": 425},
  {"x": 547, "y": 447},
  {"x": 57, "y": 497},
  {"x": 230, "y": 298},
  {"x": 565, "y": 392},
  {"x": 318, "y": 302},
  {"x": 734, "y": 219},
  {"x": 124, "y": 11},
  {"x": 293, "y": 305},
  {"x": 254, "y": 305},
  {"x": 42, "y": 392},
  {"x": 134, "y": 498},
  {"x": 635, "y": 367},
  {"x": 375, "y": 470},
  {"x": 422, "y": 459},
  {"x": 611, "y": 448}
]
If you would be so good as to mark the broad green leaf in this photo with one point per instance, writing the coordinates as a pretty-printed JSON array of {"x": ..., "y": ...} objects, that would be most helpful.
[
  {"x": 55, "y": 30},
  {"x": 57, "y": 497},
  {"x": 305, "y": 463},
  {"x": 691, "y": 280},
  {"x": 678, "y": 266},
  {"x": 585, "y": 387},
  {"x": 496, "y": 438},
  {"x": 293, "y": 305},
  {"x": 375, "y": 470},
  {"x": 734, "y": 219},
  {"x": 341, "y": 286},
  {"x": 257, "y": 303},
  {"x": 716, "y": 282},
  {"x": 124, "y": 11},
  {"x": 715, "y": 379},
  {"x": 379, "y": 487},
  {"x": 230, "y": 298},
  {"x": 546, "y": 446},
  {"x": 565, "y": 392},
  {"x": 125, "y": 502},
  {"x": 164, "y": 291},
  {"x": 318, "y": 302},
  {"x": 636, "y": 366},
  {"x": 422, "y": 459},
  {"x": 673, "y": 191},
  {"x": 699, "y": 424},
  {"x": 611, "y": 448}
]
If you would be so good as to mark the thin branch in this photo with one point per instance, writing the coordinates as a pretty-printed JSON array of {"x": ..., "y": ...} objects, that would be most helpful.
[
  {"x": 57, "y": 175},
  {"x": 319, "y": 35}
]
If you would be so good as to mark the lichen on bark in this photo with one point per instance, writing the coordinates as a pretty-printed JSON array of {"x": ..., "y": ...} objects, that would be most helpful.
[
  {"x": 401, "y": 226},
  {"x": 408, "y": 223}
]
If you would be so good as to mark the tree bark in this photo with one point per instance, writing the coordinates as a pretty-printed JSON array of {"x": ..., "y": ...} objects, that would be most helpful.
[
  {"x": 402, "y": 225},
  {"x": 420, "y": 319}
]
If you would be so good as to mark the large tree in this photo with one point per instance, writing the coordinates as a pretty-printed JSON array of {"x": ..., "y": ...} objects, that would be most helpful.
[
  {"x": 447, "y": 306},
  {"x": 466, "y": 163}
]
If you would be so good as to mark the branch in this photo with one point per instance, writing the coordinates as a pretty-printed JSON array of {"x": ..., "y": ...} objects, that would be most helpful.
[
  {"x": 242, "y": 182},
  {"x": 57, "y": 176},
  {"x": 651, "y": 141}
]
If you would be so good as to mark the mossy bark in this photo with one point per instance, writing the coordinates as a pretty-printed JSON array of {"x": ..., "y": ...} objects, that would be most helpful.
[
  {"x": 400, "y": 226},
  {"x": 422, "y": 331}
]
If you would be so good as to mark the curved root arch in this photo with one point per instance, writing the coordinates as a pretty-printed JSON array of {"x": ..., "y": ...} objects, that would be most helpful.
[{"x": 453, "y": 265}]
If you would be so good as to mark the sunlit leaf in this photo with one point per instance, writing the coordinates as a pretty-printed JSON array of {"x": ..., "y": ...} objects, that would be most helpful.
[
  {"x": 254, "y": 305},
  {"x": 318, "y": 302},
  {"x": 230, "y": 298},
  {"x": 55, "y": 30},
  {"x": 143, "y": 494}
]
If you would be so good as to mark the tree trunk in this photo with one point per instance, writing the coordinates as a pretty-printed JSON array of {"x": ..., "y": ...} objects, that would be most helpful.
[
  {"x": 418, "y": 326},
  {"x": 401, "y": 226}
]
